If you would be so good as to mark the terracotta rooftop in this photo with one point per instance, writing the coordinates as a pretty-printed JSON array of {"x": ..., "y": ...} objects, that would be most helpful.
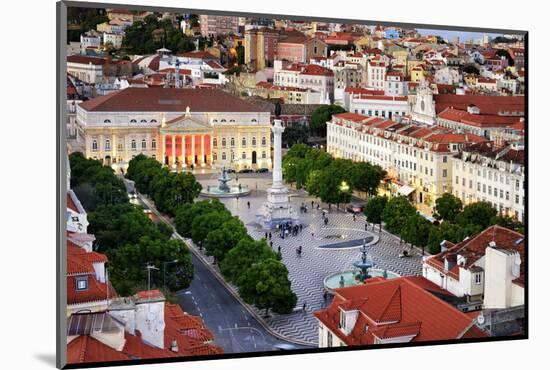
[
  {"x": 167, "y": 100},
  {"x": 396, "y": 308},
  {"x": 487, "y": 104},
  {"x": 473, "y": 249},
  {"x": 83, "y": 59}
]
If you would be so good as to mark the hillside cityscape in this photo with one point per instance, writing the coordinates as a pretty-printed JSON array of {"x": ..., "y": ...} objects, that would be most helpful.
[{"x": 247, "y": 184}]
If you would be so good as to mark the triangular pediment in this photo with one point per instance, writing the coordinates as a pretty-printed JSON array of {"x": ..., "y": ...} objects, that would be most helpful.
[{"x": 185, "y": 123}]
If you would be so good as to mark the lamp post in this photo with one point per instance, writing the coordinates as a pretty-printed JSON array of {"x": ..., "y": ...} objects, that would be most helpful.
[
  {"x": 164, "y": 264},
  {"x": 149, "y": 268}
]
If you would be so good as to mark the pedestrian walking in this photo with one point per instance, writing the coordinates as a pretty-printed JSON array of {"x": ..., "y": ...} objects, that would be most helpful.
[
  {"x": 248, "y": 204},
  {"x": 270, "y": 235},
  {"x": 304, "y": 307},
  {"x": 317, "y": 206},
  {"x": 354, "y": 218},
  {"x": 271, "y": 244},
  {"x": 279, "y": 249},
  {"x": 266, "y": 234}
]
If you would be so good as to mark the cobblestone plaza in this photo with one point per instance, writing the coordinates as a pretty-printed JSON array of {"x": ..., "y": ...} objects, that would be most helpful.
[{"x": 308, "y": 271}]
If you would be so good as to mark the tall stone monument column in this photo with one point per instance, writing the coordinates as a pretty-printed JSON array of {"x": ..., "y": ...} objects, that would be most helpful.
[{"x": 277, "y": 209}]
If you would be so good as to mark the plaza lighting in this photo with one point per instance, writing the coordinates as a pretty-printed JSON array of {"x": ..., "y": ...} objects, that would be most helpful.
[{"x": 344, "y": 186}]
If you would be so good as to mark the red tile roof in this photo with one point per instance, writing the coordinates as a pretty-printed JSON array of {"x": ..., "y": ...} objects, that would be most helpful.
[
  {"x": 192, "y": 337},
  {"x": 396, "y": 308},
  {"x": 473, "y": 250},
  {"x": 316, "y": 70},
  {"x": 487, "y": 104},
  {"x": 83, "y": 59},
  {"x": 478, "y": 120},
  {"x": 199, "y": 55},
  {"x": 168, "y": 100}
]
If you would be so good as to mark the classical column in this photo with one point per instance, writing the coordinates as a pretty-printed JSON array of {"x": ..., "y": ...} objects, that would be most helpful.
[
  {"x": 174, "y": 151},
  {"x": 183, "y": 153},
  {"x": 113, "y": 148},
  {"x": 163, "y": 148},
  {"x": 277, "y": 154},
  {"x": 202, "y": 150},
  {"x": 193, "y": 150}
]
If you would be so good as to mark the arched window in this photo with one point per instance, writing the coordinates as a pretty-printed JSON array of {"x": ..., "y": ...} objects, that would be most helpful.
[
  {"x": 223, "y": 156},
  {"x": 253, "y": 140},
  {"x": 215, "y": 156},
  {"x": 264, "y": 141},
  {"x": 263, "y": 155},
  {"x": 224, "y": 142},
  {"x": 243, "y": 142},
  {"x": 215, "y": 142},
  {"x": 223, "y": 120},
  {"x": 133, "y": 121},
  {"x": 254, "y": 120},
  {"x": 94, "y": 145},
  {"x": 154, "y": 144},
  {"x": 243, "y": 156},
  {"x": 143, "y": 121},
  {"x": 153, "y": 121},
  {"x": 231, "y": 120},
  {"x": 143, "y": 144},
  {"x": 232, "y": 141},
  {"x": 133, "y": 144},
  {"x": 107, "y": 145},
  {"x": 107, "y": 121},
  {"x": 120, "y": 144}
]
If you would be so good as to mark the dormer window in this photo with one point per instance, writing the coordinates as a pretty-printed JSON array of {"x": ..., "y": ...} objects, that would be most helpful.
[
  {"x": 81, "y": 283},
  {"x": 107, "y": 121},
  {"x": 143, "y": 121},
  {"x": 153, "y": 121},
  {"x": 133, "y": 121},
  {"x": 223, "y": 120},
  {"x": 477, "y": 278},
  {"x": 254, "y": 120}
]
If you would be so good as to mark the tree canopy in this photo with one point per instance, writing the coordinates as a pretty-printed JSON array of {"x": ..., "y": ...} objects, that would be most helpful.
[
  {"x": 320, "y": 116},
  {"x": 447, "y": 207},
  {"x": 242, "y": 256},
  {"x": 396, "y": 213},
  {"x": 265, "y": 285},
  {"x": 374, "y": 209}
]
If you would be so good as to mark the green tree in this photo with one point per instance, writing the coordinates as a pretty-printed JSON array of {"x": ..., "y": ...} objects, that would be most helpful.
[
  {"x": 121, "y": 224},
  {"x": 416, "y": 231},
  {"x": 396, "y": 213},
  {"x": 295, "y": 134},
  {"x": 450, "y": 232},
  {"x": 374, "y": 209},
  {"x": 509, "y": 223},
  {"x": 478, "y": 214},
  {"x": 366, "y": 177},
  {"x": 171, "y": 190},
  {"x": 221, "y": 240},
  {"x": 129, "y": 262},
  {"x": 320, "y": 116},
  {"x": 242, "y": 256},
  {"x": 447, "y": 207},
  {"x": 207, "y": 222},
  {"x": 265, "y": 285},
  {"x": 186, "y": 213},
  {"x": 471, "y": 69},
  {"x": 143, "y": 171}
]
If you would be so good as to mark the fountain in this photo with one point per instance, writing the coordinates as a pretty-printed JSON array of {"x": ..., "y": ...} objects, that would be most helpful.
[
  {"x": 364, "y": 270},
  {"x": 223, "y": 190}
]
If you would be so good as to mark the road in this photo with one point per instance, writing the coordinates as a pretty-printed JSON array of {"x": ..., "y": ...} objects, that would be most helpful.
[{"x": 234, "y": 328}]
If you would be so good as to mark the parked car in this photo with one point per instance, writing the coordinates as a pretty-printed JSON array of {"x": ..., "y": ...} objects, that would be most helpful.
[
  {"x": 262, "y": 170},
  {"x": 246, "y": 170},
  {"x": 355, "y": 208}
]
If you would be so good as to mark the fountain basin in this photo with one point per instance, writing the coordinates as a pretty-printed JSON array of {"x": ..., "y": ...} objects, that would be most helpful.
[
  {"x": 234, "y": 191},
  {"x": 333, "y": 281}
]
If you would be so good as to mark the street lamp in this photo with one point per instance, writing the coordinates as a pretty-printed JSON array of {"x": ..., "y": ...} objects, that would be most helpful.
[
  {"x": 164, "y": 264},
  {"x": 344, "y": 186},
  {"x": 149, "y": 268}
]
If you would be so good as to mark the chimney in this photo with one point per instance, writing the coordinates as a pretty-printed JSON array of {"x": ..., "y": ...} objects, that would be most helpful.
[
  {"x": 150, "y": 316},
  {"x": 174, "y": 346}
]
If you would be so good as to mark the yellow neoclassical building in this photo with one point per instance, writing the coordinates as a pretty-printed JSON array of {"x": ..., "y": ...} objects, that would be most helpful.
[{"x": 180, "y": 127}]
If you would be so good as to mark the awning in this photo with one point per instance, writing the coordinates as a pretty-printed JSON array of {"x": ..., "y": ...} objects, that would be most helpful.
[{"x": 406, "y": 190}]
